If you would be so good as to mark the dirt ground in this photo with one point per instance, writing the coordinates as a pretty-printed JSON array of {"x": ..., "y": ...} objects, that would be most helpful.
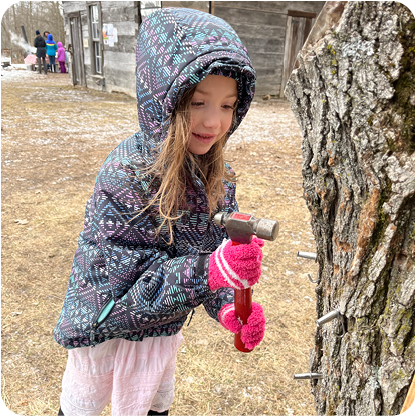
[{"x": 54, "y": 139}]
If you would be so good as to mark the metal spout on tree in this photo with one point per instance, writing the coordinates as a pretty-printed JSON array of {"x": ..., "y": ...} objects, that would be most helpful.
[{"x": 308, "y": 375}]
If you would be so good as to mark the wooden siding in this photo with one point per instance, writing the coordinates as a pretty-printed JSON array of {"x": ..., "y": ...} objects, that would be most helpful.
[
  {"x": 262, "y": 27},
  {"x": 118, "y": 60},
  {"x": 74, "y": 6},
  {"x": 197, "y": 5}
]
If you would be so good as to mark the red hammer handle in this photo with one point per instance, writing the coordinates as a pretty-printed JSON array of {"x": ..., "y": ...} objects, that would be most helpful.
[
  {"x": 243, "y": 309},
  {"x": 241, "y": 227}
]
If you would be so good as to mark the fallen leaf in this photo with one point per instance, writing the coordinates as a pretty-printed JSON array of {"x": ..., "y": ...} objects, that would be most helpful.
[{"x": 20, "y": 221}]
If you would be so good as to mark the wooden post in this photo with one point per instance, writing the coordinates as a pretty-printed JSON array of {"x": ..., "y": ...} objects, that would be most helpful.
[{"x": 410, "y": 396}]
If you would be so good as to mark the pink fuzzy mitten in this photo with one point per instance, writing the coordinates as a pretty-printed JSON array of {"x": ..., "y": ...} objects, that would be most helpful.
[
  {"x": 237, "y": 266},
  {"x": 251, "y": 333}
]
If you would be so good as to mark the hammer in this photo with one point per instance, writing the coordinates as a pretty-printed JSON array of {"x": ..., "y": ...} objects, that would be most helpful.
[{"x": 241, "y": 227}]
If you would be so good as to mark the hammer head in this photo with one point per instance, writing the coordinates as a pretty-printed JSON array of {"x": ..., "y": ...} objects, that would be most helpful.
[{"x": 241, "y": 227}]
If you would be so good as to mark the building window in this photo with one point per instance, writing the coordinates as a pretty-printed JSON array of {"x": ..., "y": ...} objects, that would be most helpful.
[{"x": 97, "y": 64}]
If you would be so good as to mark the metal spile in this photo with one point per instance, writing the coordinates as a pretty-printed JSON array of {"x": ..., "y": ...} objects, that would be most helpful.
[
  {"x": 332, "y": 315},
  {"x": 308, "y": 255},
  {"x": 309, "y": 375}
]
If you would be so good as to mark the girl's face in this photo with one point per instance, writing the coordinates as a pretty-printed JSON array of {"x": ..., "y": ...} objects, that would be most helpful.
[{"x": 212, "y": 108}]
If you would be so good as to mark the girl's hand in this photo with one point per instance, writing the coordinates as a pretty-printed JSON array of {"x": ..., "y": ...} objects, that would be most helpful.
[
  {"x": 251, "y": 333},
  {"x": 237, "y": 266}
]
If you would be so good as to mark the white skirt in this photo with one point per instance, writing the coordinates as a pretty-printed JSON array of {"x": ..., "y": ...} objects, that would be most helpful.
[{"x": 134, "y": 376}]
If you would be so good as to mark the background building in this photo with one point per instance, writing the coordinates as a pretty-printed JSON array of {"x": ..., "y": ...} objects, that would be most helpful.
[{"x": 101, "y": 37}]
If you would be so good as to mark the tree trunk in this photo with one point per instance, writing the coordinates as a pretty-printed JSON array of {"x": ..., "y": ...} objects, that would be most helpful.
[
  {"x": 14, "y": 18},
  {"x": 353, "y": 96},
  {"x": 31, "y": 33}
]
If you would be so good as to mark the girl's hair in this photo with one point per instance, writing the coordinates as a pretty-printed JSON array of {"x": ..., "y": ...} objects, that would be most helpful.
[{"x": 173, "y": 170}]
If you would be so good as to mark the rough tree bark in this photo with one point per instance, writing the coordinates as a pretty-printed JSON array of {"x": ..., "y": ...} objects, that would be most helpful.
[{"x": 353, "y": 96}]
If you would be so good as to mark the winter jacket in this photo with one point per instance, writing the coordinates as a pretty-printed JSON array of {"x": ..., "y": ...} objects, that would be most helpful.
[
  {"x": 40, "y": 46},
  {"x": 126, "y": 281},
  {"x": 51, "y": 47},
  {"x": 61, "y": 52}
]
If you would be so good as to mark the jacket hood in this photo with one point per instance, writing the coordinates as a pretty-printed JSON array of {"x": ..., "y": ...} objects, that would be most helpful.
[
  {"x": 176, "y": 49},
  {"x": 50, "y": 38},
  {"x": 59, "y": 44}
]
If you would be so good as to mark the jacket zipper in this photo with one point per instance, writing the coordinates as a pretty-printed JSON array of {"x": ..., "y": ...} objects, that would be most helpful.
[{"x": 96, "y": 321}]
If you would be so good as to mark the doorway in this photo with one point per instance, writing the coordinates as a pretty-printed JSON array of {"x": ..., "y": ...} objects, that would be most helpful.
[
  {"x": 299, "y": 25},
  {"x": 75, "y": 49}
]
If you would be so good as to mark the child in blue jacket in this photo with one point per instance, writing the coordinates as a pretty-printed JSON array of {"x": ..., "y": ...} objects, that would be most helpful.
[
  {"x": 51, "y": 49},
  {"x": 150, "y": 252}
]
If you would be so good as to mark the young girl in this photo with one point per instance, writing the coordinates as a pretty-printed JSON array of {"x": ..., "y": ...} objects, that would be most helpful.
[
  {"x": 61, "y": 57},
  {"x": 150, "y": 252},
  {"x": 51, "y": 49}
]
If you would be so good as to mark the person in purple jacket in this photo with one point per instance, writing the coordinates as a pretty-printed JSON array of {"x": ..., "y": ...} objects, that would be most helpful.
[
  {"x": 150, "y": 252},
  {"x": 61, "y": 58}
]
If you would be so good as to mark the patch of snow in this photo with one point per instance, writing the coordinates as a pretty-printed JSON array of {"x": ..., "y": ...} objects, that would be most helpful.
[{"x": 15, "y": 72}]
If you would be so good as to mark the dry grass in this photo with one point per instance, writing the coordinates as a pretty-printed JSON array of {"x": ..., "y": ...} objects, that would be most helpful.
[{"x": 54, "y": 139}]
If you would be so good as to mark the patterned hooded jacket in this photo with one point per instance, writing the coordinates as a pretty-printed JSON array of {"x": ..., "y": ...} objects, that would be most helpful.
[{"x": 125, "y": 280}]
